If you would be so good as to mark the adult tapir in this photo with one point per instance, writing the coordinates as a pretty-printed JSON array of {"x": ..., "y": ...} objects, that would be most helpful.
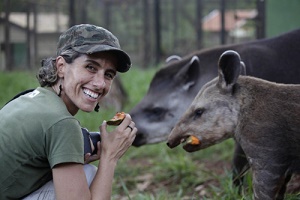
[
  {"x": 263, "y": 116},
  {"x": 173, "y": 87}
]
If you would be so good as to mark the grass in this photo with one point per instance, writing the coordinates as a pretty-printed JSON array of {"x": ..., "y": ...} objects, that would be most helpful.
[{"x": 154, "y": 172}]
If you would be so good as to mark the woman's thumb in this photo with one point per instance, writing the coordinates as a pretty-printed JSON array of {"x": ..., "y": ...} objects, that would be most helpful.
[{"x": 103, "y": 127}]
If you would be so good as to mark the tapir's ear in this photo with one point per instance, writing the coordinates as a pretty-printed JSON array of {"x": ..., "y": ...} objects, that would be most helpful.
[
  {"x": 229, "y": 69},
  {"x": 187, "y": 76},
  {"x": 243, "y": 69},
  {"x": 173, "y": 58}
]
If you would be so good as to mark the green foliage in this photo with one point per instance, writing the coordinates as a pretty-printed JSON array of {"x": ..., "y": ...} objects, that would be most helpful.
[
  {"x": 287, "y": 11},
  {"x": 12, "y": 83}
]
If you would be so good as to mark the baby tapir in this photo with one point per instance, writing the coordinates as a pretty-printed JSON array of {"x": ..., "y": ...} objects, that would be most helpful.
[{"x": 264, "y": 117}]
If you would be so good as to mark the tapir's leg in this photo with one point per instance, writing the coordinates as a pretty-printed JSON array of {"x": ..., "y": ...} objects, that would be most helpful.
[
  {"x": 239, "y": 163},
  {"x": 283, "y": 188},
  {"x": 267, "y": 184}
]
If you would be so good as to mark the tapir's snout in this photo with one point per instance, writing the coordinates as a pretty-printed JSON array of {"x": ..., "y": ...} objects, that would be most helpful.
[
  {"x": 174, "y": 138},
  {"x": 172, "y": 144},
  {"x": 139, "y": 140}
]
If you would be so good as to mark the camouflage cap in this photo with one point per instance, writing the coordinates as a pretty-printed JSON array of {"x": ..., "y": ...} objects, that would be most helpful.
[{"x": 88, "y": 39}]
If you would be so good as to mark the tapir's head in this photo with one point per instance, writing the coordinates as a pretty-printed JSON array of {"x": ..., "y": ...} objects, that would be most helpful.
[
  {"x": 170, "y": 93},
  {"x": 212, "y": 116}
]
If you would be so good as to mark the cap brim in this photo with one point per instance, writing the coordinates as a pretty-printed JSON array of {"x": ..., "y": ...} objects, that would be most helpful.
[{"x": 124, "y": 62}]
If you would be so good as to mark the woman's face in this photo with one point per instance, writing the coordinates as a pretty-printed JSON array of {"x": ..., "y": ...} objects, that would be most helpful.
[{"x": 86, "y": 80}]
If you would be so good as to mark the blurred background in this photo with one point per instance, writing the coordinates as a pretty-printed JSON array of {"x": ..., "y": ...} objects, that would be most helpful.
[{"x": 149, "y": 30}]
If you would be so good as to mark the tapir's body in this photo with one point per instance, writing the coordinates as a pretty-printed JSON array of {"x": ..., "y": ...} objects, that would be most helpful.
[{"x": 264, "y": 117}]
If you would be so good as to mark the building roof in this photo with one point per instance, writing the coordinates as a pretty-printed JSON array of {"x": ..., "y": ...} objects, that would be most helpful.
[{"x": 233, "y": 19}]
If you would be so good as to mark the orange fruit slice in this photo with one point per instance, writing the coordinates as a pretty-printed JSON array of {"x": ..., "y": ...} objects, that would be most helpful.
[
  {"x": 193, "y": 140},
  {"x": 117, "y": 119}
]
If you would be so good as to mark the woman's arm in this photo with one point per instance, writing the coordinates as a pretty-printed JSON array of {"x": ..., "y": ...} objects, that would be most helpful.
[
  {"x": 70, "y": 182},
  {"x": 69, "y": 179}
]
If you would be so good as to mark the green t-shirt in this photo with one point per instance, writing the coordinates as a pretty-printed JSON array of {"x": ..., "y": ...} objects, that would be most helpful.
[{"x": 36, "y": 133}]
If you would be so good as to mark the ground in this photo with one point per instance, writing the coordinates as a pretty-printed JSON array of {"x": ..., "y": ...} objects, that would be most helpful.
[{"x": 146, "y": 183}]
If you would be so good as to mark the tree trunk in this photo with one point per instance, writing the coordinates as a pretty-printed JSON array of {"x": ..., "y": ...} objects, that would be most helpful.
[
  {"x": 106, "y": 14},
  {"x": 72, "y": 19},
  {"x": 199, "y": 23},
  {"x": 7, "y": 43},
  {"x": 146, "y": 34},
  {"x": 260, "y": 19},
  {"x": 157, "y": 30},
  {"x": 28, "y": 41},
  {"x": 223, "y": 29}
]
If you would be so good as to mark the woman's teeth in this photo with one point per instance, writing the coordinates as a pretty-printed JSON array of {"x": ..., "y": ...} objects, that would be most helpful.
[{"x": 90, "y": 93}]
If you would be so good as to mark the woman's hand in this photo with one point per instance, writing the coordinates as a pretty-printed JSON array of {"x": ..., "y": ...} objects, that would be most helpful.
[
  {"x": 91, "y": 158},
  {"x": 115, "y": 143}
]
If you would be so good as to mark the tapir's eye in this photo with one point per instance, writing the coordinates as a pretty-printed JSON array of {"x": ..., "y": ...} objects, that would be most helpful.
[
  {"x": 198, "y": 112},
  {"x": 156, "y": 113}
]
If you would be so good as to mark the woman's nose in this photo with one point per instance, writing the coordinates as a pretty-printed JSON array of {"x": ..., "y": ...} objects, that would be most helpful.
[{"x": 99, "y": 81}]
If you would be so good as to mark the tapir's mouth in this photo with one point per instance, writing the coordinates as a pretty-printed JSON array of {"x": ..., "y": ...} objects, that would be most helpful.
[{"x": 190, "y": 143}]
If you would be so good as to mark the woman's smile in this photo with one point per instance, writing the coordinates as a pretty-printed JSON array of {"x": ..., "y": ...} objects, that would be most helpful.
[{"x": 91, "y": 94}]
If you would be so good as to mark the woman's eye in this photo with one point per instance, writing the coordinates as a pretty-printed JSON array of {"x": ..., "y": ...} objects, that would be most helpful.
[
  {"x": 110, "y": 75},
  {"x": 91, "y": 68}
]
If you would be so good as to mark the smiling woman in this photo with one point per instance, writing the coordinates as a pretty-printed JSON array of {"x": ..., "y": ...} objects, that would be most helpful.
[{"x": 48, "y": 145}]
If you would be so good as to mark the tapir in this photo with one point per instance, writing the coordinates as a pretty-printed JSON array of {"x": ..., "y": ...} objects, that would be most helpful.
[
  {"x": 173, "y": 87},
  {"x": 263, "y": 116}
]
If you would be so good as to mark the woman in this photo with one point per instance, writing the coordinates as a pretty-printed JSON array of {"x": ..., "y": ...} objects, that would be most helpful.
[{"x": 41, "y": 144}]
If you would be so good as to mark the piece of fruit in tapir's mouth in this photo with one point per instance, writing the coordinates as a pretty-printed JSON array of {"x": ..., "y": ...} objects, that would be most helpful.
[{"x": 191, "y": 140}]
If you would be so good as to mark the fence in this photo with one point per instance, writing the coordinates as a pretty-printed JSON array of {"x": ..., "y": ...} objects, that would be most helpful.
[{"x": 150, "y": 30}]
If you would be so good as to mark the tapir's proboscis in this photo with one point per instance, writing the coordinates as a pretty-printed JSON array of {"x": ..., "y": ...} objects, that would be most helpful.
[
  {"x": 175, "y": 86},
  {"x": 263, "y": 116}
]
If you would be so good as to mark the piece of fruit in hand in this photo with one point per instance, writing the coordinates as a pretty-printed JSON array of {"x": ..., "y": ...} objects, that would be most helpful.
[{"x": 117, "y": 119}]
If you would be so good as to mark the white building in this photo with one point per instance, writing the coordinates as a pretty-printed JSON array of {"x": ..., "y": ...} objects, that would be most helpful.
[{"x": 41, "y": 45}]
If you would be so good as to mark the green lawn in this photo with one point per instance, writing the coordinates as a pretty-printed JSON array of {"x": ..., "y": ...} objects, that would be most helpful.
[{"x": 154, "y": 172}]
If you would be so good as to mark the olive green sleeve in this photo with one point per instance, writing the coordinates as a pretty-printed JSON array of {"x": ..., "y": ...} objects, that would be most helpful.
[{"x": 64, "y": 142}]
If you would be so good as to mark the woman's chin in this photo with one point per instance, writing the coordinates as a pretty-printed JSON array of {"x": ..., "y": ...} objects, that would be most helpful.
[{"x": 87, "y": 108}]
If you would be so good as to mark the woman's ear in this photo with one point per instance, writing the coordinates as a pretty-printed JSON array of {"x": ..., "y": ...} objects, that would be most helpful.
[{"x": 60, "y": 66}]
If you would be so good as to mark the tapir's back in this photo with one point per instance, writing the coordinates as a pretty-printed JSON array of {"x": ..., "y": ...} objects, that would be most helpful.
[
  {"x": 272, "y": 109},
  {"x": 289, "y": 93}
]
